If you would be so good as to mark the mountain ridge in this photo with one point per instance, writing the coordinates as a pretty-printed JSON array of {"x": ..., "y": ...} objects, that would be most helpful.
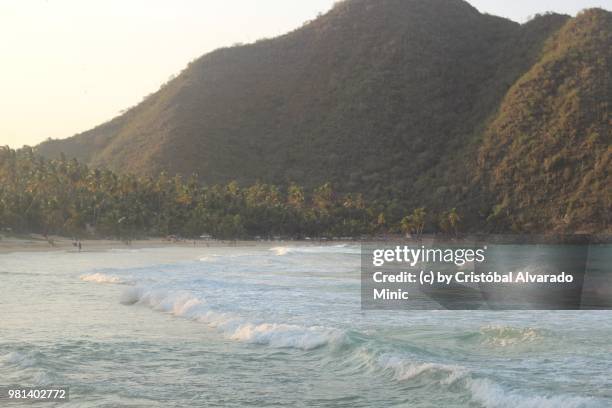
[{"x": 394, "y": 98}]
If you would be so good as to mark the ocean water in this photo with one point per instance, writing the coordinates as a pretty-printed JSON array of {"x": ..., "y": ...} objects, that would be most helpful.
[{"x": 277, "y": 326}]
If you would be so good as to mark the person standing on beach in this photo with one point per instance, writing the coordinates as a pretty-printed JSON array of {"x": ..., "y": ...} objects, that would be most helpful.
[{"x": 79, "y": 246}]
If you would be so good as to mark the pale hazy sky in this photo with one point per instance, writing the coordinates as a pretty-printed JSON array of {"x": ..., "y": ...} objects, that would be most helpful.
[{"x": 68, "y": 65}]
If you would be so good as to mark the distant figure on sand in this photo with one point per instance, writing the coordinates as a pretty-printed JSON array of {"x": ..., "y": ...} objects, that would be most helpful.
[{"x": 80, "y": 246}]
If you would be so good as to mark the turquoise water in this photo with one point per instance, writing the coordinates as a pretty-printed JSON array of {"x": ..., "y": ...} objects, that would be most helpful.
[{"x": 277, "y": 326}]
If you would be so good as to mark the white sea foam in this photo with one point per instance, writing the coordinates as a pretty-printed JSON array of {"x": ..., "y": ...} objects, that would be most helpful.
[
  {"x": 101, "y": 278},
  {"x": 287, "y": 336},
  {"x": 280, "y": 251},
  {"x": 184, "y": 304},
  {"x": 178, "y": 303},
  {"x": 505, "y": 336},
  {"x": 492, "y": 395},
  {"x": 481, "y": 390},
  {"x": 404, "y": 369},
  {"x": 328, "y": 249}
]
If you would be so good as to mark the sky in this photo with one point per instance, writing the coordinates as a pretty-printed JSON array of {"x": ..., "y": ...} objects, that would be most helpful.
[{"x": 69, "y": 65}]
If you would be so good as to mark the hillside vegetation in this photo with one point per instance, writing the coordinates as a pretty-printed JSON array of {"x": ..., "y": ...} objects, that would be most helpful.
[
  {"x": 416, "y": 103},
  {"x": 547, "y": 155},
  {"x": 67, "y": 197}
]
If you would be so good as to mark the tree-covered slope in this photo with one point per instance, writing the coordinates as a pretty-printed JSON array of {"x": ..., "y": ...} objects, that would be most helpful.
[
  {"x": 372, "y": 90},
  {"x": 402, "y": 99},
  {"x": 547, "y": 155}
]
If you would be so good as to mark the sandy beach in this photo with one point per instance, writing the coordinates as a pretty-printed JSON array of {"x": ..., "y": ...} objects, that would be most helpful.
[{"x": 37, "y": 243}]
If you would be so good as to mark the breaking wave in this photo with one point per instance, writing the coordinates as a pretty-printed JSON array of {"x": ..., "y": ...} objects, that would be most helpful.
[
  {"x": 406, "y": 370},
  {"x": 331, "y": 249},
  {"x": 184, "y": 304},
  {"x": 504, "y": 336},
  {"x": 287, "y": 336},
  {"x": 358, "y": 351},
  {"x": 480, "y": 390},
  {"x": 492, "y": 395},
  {"x": 402, "y": 368},
  {"x": 102, "y": 278}
]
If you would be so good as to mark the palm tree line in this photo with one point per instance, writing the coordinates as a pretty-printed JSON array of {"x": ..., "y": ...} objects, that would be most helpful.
[{"x": 68, "y": 198}]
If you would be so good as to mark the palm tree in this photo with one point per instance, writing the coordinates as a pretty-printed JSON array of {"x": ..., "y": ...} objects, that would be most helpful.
[
  {"x": 414, "y": 223},
  {"x": 454, "y": 219}
]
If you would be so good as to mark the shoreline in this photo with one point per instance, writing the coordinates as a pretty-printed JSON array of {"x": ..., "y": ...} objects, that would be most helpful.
[
  {"x": 38, "y": 243},
  {"x": 59, "y": 244}
]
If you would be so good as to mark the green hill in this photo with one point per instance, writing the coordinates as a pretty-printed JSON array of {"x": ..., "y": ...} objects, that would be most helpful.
[
  {"x": 547, "y": 155},
  {"x": 401, "y": 99}
]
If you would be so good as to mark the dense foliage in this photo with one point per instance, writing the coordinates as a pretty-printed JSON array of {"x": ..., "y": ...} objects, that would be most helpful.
[
  {"x": 66, "y": 197},
  {"x": 412, "y": 103},
  {"x": 547, "y": 155},
  {"x": 376, "y": 96}
]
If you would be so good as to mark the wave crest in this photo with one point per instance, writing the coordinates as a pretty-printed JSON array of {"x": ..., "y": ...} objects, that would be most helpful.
[
  {"x": 287, "y": 336},
  {"x": 492, "y": 395},
  {"x": 102, "y": 278},
  {"x": 328, "y": 249},
  {"x": 480, "y": 390},
  {"x": 406, "y": 370},
  {"x": 184, "y": 304},
  {"x": 504, "y": 336}
]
